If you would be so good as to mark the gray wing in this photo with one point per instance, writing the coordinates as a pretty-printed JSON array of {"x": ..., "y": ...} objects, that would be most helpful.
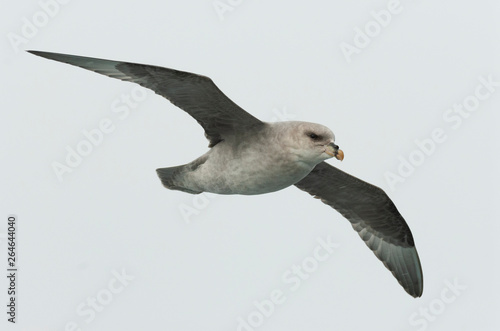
[
  {"x": 195, "y": 94},
  {"x": 374, "y": 216}
]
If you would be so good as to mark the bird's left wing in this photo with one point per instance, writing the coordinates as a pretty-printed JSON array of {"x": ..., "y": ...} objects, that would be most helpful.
[
  {"x": 374, "y": 216},
  {"x": 195, "y": 94}
]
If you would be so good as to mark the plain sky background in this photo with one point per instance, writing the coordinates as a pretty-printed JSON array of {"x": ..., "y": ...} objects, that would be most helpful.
[{"x": 111, "y": 212}]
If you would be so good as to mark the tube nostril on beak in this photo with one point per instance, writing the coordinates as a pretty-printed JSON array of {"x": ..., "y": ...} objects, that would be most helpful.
[
  {"x": 334, "y": 151},
  {"x": 335, "y": 147}
]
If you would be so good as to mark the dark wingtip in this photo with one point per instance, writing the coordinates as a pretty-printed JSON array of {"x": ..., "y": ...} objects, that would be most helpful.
[
  {"x": 52, "y": 56},
  {"x": 418, "y": 292},
  {"x": 39, "y": 53},
  {"x": 416, "y": 295}
]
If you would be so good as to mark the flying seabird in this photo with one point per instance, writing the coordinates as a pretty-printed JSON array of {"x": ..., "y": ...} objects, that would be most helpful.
[{"x": 248, "y": 156}]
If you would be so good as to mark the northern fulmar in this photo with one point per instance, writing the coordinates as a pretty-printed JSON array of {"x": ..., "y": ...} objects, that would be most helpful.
[{"x": 248, "y": 156}]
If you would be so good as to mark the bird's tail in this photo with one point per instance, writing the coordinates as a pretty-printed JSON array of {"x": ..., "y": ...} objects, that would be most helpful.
[{"x": 170, "y": 178}]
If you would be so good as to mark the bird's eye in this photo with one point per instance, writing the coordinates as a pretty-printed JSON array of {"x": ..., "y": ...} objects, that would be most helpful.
[{"x": 313, "y": 136}]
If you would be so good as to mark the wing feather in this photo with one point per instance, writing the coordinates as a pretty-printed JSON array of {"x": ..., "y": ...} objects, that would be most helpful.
[
  {"x": 195, "y": 94},
  {"x": 374, "y": 216}
]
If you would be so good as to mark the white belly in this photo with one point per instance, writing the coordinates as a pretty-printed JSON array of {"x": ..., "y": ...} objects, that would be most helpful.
[{"x": 246, "y": 171}]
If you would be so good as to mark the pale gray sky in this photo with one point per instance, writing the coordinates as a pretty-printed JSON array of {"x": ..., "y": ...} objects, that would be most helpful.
[{"x": 411, "y": 90}]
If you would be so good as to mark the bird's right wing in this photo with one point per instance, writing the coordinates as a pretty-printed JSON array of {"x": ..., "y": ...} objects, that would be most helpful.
[
  {"x": 374, "y": 216},
  {"x": 195, "y": 94}
]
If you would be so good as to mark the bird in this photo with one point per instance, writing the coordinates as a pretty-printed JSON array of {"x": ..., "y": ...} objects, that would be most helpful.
[{"x": 248, "y": 156}]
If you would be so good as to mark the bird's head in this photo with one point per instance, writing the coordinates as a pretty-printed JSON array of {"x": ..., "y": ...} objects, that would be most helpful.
[{"x": 311, "y": 142}]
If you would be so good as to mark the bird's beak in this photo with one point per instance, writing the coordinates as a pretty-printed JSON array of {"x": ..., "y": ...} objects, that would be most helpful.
[{"x": 333, "y": 150}]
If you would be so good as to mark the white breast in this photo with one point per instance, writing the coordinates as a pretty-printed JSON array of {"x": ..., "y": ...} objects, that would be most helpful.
[{"x": 248, "y": 169}]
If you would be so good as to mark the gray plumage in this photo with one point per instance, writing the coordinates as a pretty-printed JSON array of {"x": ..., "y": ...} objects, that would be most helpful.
[
  {"x": 374, "y": 216},
  {"x": 248, "y": 156}
]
